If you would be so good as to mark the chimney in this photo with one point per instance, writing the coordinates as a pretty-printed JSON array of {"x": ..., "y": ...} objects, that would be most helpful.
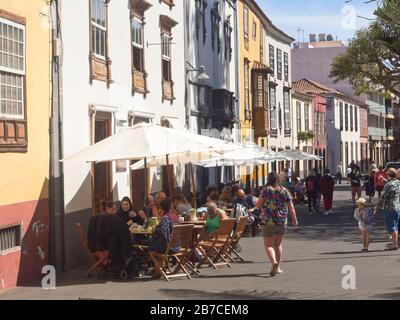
[
  {"x": 322, "y": 37},
  {"x": 313, "y": 37}
]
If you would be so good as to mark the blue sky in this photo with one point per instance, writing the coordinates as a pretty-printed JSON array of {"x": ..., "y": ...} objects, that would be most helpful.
[{"x": 318, "y": 16}]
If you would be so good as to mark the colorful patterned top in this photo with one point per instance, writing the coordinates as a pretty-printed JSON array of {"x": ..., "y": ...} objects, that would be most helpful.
[
  {"x": 390, "y": 199},
  {"x": 275, "y": 207}
]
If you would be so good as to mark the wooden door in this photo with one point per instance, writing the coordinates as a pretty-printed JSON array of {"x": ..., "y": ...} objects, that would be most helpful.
[{"x": 101, "y": 171}]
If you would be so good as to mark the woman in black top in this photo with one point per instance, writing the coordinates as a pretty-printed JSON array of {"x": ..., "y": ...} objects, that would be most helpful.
[{"x": 126, "y": 213}]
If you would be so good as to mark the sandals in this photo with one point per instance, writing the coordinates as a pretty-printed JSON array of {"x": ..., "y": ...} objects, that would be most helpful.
[
  {"x": 391, "y": 249},
  {"x": 275, "y": 269}
]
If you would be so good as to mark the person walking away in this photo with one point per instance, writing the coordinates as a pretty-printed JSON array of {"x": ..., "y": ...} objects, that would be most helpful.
[
  {"x": 339, "y": 173},
  {"x": 275, "y": 203},
  {"x": 380, "y": 180},
  {"x": 352, "y": 165},
  {"x": 372, "y": 167},
  {"x": 327, "y": 185},
  {"x": 365, "y": 217},
  {"x": 389, "y": 203},
  {"x": 318, "y": 194},
  {"x": 311, "y": 185},
  {"x": 369, "y": 186},
  {"x": 355, "y": 183}
]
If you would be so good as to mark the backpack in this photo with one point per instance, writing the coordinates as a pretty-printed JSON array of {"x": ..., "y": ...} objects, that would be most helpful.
[
  {"x": 238, "y": 211},
  {"x": 368, "y": 216}
]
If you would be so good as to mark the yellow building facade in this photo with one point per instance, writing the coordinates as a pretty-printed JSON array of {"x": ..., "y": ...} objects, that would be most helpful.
[
  {"x": 25, "y": 108},
  {"x": 253, "y": 79}
]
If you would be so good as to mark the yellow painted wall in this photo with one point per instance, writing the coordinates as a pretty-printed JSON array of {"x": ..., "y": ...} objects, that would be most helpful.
[
  {"x": 252, "y": 54},
  {"x": 24, "y": 176}
]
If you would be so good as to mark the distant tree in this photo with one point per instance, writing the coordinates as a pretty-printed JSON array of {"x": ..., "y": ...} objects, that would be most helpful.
[{"x": 372, "y": 60}]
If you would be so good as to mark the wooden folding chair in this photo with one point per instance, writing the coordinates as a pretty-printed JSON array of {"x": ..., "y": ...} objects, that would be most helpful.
[
  {"x": 213, "y": 250},
  {"x": 199, "y": 234},
  {"x": 234, "y": 240},
  {"x": 181, "y": 237},
  {"x": 97, "y": 262}
]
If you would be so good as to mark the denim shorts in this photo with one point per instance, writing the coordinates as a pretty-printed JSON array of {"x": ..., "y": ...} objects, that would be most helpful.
[{"x": 391, "y": 220}]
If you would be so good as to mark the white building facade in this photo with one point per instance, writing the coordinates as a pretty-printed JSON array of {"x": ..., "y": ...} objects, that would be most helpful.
[
  {"x": 278, "y": 56},
  {"x": 211, "y": 97},
  {"x": 343, "y": 129},
  {"x": 122, "y": 64}
]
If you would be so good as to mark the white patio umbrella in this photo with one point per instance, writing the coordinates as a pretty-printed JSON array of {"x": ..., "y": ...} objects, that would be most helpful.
[
  {"x": 146, "y": 141},
  {"x": 294, "y": 154}
]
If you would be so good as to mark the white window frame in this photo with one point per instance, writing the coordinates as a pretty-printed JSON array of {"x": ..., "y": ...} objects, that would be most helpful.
[
  {"x": 298, "y": 115},
  {"x": 135, "y": 44},
  {"x": 22, "y": 27},
  {"x": 306, "y": 116},
  {"x": 164, "y": 57},
  {"x": 95, "y": 25},
  {"x": 286, "y": 111},
  {"x": 15, "y": 72},
  {"x": 273, "y": 110}
]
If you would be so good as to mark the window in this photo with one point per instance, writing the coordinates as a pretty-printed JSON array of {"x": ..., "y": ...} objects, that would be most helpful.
[
  {"x": 246, "y": 89},
  {"x": 272, "y": 58},
  {"x": 100, "y": 64},
  {"x": 246, "y": 27},
  {"x": 346, "y": 117},
  {"x": 262, "y": 57},
  {"x": 286, "y": 107},
  {"x": 355, "y": 118},
  {"x": 12, "y": 69},
  {"x": 12, "y": 84},
  {"x": 356, "y": 151},
  {"x": 279, "y": 66},
  {"x": 298, "y": 115},
  {"x": 98, "y": 23},
  {"x": 272, "y": 103},
  {"x": 316, "y": 128},
  {"x": 286, "y": 66},
  {"x": 137, "y": 43},
  {"x": 341, "y": 115},
  {"x": 254, "y": 30},
  {"x": 166, "y": 57},
  {"x": 10, "y": 238},
  {"x": 306, "y": 117},
  {"x": 351, "y": 118},
  {"x": 166, "y": 25}
]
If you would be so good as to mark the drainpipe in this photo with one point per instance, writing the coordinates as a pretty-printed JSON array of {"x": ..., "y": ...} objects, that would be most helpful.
[
  {"x": 237, "y": 61},
  {"x": 56, "y": 190}
]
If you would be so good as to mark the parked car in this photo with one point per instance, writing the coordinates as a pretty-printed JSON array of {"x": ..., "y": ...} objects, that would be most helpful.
[{"x": 395, "y": 165}]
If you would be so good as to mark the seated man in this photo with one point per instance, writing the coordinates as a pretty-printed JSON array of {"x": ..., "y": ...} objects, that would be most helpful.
[{"x": 245, "y": 205}]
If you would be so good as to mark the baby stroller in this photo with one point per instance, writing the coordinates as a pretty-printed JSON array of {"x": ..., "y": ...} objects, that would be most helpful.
[{"x": 107, "y": 233}]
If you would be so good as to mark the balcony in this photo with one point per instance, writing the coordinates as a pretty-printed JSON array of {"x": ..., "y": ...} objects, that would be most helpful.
[
  {"x": 223, "y": 105},
  {"x": 261, "y": 122},
  {"x": 377, "y": 133}
]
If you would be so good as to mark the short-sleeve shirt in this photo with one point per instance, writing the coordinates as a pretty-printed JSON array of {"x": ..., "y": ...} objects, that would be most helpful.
[
  {"x": 276, "y": 200},
  {"x": 355, "y": 179}
]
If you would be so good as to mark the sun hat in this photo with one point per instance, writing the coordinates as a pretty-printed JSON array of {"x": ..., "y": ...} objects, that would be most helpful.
[{"x": 361, "y": 201}]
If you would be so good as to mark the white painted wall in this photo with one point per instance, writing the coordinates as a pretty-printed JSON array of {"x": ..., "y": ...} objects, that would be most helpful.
[
  {"x": 78, "y": 93},
  {"x": 271, "y": 39},
  {"x": 336, "y": 136}
]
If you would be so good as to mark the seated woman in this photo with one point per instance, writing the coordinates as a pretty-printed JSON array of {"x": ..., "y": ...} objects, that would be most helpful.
[
  {"x": 182, "y": 206},
  {"x": 150, "y": 208},
  {"x": 226, "y": 199},
  {"x": 213, "y": 218},
  {"x": 162, "y": 233},
  {"x": 128, "y": 215}
]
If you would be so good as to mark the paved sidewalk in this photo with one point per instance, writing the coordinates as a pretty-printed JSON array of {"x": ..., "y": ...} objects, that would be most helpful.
[{"x": 313, "y": 260}]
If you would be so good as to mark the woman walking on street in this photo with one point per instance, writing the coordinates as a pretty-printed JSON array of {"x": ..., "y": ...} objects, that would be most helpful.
[
  {"x": 275, "y": 203},
  {"x": 327, "y": 185},
  {"x": 390, "y": 204}
]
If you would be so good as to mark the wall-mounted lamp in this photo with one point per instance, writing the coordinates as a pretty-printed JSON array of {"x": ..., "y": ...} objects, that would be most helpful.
[{"x": 201, "y": 76}]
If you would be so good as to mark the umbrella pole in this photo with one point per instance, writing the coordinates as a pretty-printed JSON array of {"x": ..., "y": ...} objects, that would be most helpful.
[
  {"x": 146, "y": 187},
  {"x": 193, "y": 185},
  {"x": 168, "y": 177}
]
